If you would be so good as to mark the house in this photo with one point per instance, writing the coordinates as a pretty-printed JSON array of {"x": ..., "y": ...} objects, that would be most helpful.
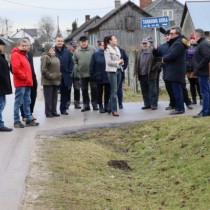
[
  {"x": 32, "y": 34},
  {"x": 196, "y": 15},
  {"x": 9, "y": 45},
  {"x": 124, "y": 22},
  {"x": 172, "y": 8},
  {"x": 89, "y": 22}
]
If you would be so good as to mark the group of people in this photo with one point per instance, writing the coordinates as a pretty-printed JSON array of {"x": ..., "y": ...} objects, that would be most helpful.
[{"x": 80, "y": 67}]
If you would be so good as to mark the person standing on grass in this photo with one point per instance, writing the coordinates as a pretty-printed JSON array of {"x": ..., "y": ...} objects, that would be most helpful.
[
  {"x": 22, "y": 75},
  {"x": 5, "y": 85},
  {"x": 29, "y": 56},
  {"x": 201, "y": 68},
  {"x": 175, "y": 62},
  {"x": 66, "y": 69},
  {"x": 98, "y": 73},
  {"x": 146, "y": 72}
]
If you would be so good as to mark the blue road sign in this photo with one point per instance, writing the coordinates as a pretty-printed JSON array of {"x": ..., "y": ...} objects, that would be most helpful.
[{"x": 155, "y": 22}]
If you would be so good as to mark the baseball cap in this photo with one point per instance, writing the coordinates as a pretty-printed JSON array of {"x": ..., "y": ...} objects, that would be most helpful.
[
  {"x": 2, "y": 42},
  {"x": 83, "y": 38},
  {"x": 73, "y": 43}
]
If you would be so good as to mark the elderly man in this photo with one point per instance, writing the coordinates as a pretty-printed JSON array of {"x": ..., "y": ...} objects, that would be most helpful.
[
  {"x": 82, "y": 58},
  {"x": 175, "y": 64},
  {"x": 147, "y": 75},
  {"x": 5, "y": 85},
  {"x": 201, "y": 61}
]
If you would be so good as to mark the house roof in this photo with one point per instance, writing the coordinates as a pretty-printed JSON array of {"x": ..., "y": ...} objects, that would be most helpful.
[
  {"x": 199, "y": 19},
  {"x": 7, "y": 40},
  {"x": 155, "y": 3},
  {"x": 114, "y": 11},
  {"x": 32, "y": 32},
  {"x": 82, "y": 27}
]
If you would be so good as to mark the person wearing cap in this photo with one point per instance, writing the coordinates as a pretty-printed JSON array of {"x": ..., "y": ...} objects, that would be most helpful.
[
  {"x": 66, "y": 69},
  {"x": 193, "y": 80},
  {"x": 5, "y": 85},
  {"x": 50, "y": 79},
  {"x": 82, "y": 58},
  {"x": 76, "y": 80},
  {"x": 146, "y": 72},
  {"x": 201, "y": 68}
]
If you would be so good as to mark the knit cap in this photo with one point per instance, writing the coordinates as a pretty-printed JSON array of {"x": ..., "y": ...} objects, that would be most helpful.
[
  {"x": 192, "y": 36},
  {"x": 47, "y": 46}
]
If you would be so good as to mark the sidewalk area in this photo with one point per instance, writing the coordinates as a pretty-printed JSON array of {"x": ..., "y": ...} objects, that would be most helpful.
[{"x": 16, "y": 146}]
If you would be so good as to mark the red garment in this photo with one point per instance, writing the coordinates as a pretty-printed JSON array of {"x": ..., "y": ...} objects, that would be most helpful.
[{"x": 21, "y": 69}]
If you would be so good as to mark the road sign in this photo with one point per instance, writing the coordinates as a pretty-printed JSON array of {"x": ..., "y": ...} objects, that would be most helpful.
[{"x": 155, "y": 22}]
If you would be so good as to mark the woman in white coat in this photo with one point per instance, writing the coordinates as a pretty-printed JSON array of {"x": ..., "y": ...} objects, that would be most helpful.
[{"x": 113, "y": 67}]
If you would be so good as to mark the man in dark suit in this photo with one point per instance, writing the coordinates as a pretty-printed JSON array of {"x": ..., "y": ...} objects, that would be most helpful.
[{"x": 5, "y": 85}]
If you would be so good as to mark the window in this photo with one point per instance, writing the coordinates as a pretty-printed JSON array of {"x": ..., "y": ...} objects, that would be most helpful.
[
  {"x": 169, "y": 13},
  {"x": 130, "y": 23}
]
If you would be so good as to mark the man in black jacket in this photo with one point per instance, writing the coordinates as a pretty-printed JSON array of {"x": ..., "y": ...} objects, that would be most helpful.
[
  {"x": 201, "y": 61},
  {"x": 175, "y": 61},
  {"x": 5, "y": 85}
]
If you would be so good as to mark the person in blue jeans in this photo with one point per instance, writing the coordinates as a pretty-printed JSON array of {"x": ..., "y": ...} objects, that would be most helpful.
[
  {"x": 22, "y": 75},
  {"x": 201, "y": 61},
  {"x": 5, "y": 85}
]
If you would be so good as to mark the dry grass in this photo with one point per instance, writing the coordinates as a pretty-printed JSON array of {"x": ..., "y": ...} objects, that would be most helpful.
[{"x": 169, "y": 160}]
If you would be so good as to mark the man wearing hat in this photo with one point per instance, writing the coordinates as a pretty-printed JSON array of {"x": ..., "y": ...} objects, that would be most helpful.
[
  {"x": 5, "y": 85},
  {"x": 147, "y": 75},
  {"x": 76, "y": 80},
  {"x": 82, "y": 58}
]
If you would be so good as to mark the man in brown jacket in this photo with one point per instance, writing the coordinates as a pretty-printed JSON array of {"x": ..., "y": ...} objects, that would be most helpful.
[{"x": 147, "y": 74}]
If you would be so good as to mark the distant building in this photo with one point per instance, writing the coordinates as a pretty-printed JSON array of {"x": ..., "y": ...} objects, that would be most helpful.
[
  {"x": 196, "y": 15},
  {"x": 32, "y": 34}
]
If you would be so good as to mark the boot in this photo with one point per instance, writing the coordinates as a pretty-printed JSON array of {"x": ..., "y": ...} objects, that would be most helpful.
[{"x": 101, "y": 108}]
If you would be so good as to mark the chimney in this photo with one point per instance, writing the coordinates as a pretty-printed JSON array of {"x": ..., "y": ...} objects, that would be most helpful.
[
  {"x": 145, "y": 3},
  {"x": 117, "y": 3},
  {"x": 87, "y": 17}
]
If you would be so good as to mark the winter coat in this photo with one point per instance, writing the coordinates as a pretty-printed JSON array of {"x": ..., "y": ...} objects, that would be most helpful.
[
  {"x": 175, "y": 60},
  {"x": 50, "y": 70},
  {"x": 5, "y": 82},
  {"x": 152, "y": 71},
  {"x": 82, "y": 57},
  {"x": 66, "y": 65},
  {"x": 189, "y": 64},
  {"x": 201, "y": 58},
  {"x": 125, "y": 65},
  {"x": 21, "y": 69},
  {"x": 98, "y": 67},
  {"x": 112, "y": 57}
]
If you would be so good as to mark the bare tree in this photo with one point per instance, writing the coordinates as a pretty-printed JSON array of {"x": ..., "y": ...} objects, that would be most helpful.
[
  {"x": 46, "y": 27},
  {"x": 5, "y": 27}
]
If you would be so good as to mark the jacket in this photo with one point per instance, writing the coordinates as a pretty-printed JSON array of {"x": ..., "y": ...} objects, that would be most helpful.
[
  {"x": 66, "y": 65},
  {"x": 175, "y": 60},
  {"x": 82, "y": 59},
  {"x": 112, "y": 57},
  {"x": 152, "y": 72},
  {"x": 21, "y": 69},
  {"x": 5, "y": 82},
  {"x": 50, "y": 70},
  {"x": 201, "y": 58},
  {"x": 125, "y": 65},
  {"x": 189, "y": 64},
  {"x": 98, "y": 67}
]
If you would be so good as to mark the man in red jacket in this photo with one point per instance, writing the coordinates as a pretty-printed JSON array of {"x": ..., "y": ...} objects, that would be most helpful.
[{"x": 23, "y": 82}]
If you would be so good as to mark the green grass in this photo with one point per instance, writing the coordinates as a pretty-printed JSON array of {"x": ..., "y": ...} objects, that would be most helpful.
[{"x": 169, "y": 160}]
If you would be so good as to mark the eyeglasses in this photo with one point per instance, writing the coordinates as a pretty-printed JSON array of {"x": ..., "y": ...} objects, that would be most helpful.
[{"x": 144, "y": 43}]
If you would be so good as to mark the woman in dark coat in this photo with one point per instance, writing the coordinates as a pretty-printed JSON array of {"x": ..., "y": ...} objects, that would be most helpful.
[{"x": 98, "y": 73}]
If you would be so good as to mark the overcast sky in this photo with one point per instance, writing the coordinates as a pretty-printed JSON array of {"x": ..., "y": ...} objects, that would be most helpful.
[{"x": 26, "y": 14}]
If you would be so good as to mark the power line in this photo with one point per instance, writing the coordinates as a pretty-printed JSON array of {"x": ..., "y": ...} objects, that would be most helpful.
[{"x": 47, "y": 8}]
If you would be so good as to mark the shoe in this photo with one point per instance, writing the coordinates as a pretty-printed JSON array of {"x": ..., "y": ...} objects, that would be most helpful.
[
  {"x": 176, "y": 112},
  {"x": 84, "y": 109},
  {"x": 101, "y": 109},
  {"x": 77, "y": 107},
  {"x": 95, "y": 108},
  {"x": 120, "y": 106},
  {"x": 169, "y": 107},
  {"x": 200, "y": 115},
  {"x": 5, "y": 129},
  {"x": 56, "y": 115},
  {"x": 116, "y": 114},
  {"x": 146, "y": 107},
  {"x": 49, "y": 115},
  {"x": 64, "y": 113},
  {"x": 31, "y": 123},
  {"x": 154, "y": 108},
  {"x": 18, "y": 124},
  {"x": 189, "y": 106}
]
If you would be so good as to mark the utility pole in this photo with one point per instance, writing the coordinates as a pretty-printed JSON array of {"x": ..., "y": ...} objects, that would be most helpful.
[{"x": 7, "y": 31}]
